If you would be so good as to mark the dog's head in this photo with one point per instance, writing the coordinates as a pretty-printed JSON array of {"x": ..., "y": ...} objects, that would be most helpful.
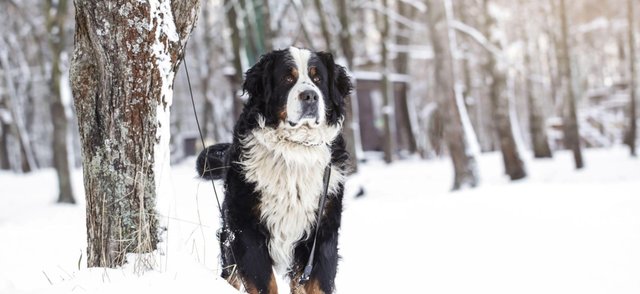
[{"x": 297, "y": 88}]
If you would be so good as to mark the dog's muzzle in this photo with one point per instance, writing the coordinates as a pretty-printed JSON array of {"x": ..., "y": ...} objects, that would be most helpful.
[{"x": 309, "y": 103}]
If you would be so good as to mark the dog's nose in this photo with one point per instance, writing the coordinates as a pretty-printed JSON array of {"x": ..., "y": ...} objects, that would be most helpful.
[{"x": 309, "y": 96}]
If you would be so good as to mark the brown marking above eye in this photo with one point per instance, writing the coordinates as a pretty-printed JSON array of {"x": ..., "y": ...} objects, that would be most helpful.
[
  {"x": 313, "y": 73},
  {"x": 291, "y": 77}
]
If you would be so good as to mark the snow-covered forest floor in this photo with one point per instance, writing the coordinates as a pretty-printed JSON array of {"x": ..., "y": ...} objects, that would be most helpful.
[{"x": 558, "y": 231}]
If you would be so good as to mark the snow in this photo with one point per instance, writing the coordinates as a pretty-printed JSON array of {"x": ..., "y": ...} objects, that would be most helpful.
[
  {"x": 558, "y": 231},
  {"x": 161, "y": 13}
]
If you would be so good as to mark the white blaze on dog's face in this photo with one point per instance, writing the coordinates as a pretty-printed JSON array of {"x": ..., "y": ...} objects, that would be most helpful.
[{"x": 305, "y": 102}]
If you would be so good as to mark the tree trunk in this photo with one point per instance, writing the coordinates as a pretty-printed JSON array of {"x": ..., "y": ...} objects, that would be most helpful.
[
  {"x": 388, "y": 112},
  {"x": 324, "y": 26},
  {"x": 513, "y": 164},
  {"x": 236, "y": 46},
  {"x": 633, "y": 129},
  {"x": 27, "y": 162},
  {"x": 57, "y": 37},
  {"x": 537, "y": 128},
  {"x": 402, "y": 66},
  {"x": 572, "y": 134},
  {"x": 458, "y": 141},
  {"x": 5, "y": 115},
  {"x": 267, "y": 32},
  {"x": 122, "y": 72},
  {"x": 206, "y": 51},
  {"x": 352, "y": 121}
]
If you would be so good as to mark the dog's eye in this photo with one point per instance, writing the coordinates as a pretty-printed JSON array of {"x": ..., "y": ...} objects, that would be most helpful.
[
  {"x": 288, "y": 79},
  {"x": 316, "y": 79}
]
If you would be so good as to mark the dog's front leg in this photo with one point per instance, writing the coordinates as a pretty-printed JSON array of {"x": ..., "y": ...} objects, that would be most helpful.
[
  {"x": 325, "y": 265},
  {"x": 253, "y": 267}
]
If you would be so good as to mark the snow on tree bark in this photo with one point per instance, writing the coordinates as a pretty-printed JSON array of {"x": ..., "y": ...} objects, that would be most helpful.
[
  {"x": 458, "y": 141},
  {"x": 122, "y": 72}
]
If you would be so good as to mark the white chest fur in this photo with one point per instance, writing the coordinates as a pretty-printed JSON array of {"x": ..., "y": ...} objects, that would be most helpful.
[{"x": 288, "y": 177}]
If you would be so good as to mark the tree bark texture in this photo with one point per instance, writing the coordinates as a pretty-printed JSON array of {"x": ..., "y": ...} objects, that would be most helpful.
[
  {"x": 513, "y": 164},
  {"x": 464, "y": 161},
  {"x": 633, "y": 128},
  {"x": 56, "y": 13},
  {"x": 122, "y": 71},
  {"x": 572, "y": 135}
]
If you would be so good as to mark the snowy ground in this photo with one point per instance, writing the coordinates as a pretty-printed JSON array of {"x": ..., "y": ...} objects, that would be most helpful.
[{"x": 559, "y": 231}]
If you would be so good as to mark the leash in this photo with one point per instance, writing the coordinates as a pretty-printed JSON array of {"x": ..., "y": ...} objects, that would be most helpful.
[
  {"x": 195, "y": 113},
  {"x": 309, "y": 267}
]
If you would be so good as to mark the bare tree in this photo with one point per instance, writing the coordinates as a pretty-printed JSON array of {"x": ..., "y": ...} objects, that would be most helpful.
[
  {"x": 572, "y": 135},
  {"x": 56, "y": 12},
  {"x": 537, "y": 128},
  {"x": 352, "y": 121},
  {"x": 514, "y": 166},
  {"x": 402, "y": 66},
  {"x": 13, "y": 119},
  {"x": 238, "y": 52},
  {"x": 633, "y": 129},
  {"x": 531, "y": 72},
  {"x": 206, "y": 56},
  {"x": 122, "y": 72},
  {"x": 451, "y": 108},
  {"x": 388, "y": 112}
]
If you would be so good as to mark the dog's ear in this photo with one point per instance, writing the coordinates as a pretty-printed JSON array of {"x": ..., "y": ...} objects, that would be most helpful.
[
  {"x": 257, "y": 82},
  {"x": 340, "y": 85}
]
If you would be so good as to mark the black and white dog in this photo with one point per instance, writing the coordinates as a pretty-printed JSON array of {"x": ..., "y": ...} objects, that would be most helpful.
[{"x": 287, "y": 134}]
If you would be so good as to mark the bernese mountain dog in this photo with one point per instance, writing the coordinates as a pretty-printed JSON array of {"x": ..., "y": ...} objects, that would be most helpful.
[{"x": 289, "y": 132}]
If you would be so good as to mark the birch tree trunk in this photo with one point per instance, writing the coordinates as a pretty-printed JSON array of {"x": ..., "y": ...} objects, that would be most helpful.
[
  {"x": 122, "y": 72},
  {"x": 513, "y": 164},
  {"x": 633, "y": 128},
  {"x": 572, "y": 135},
  {"x": 458, "y": 141},
  {"x": 56, "y": 12}
]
